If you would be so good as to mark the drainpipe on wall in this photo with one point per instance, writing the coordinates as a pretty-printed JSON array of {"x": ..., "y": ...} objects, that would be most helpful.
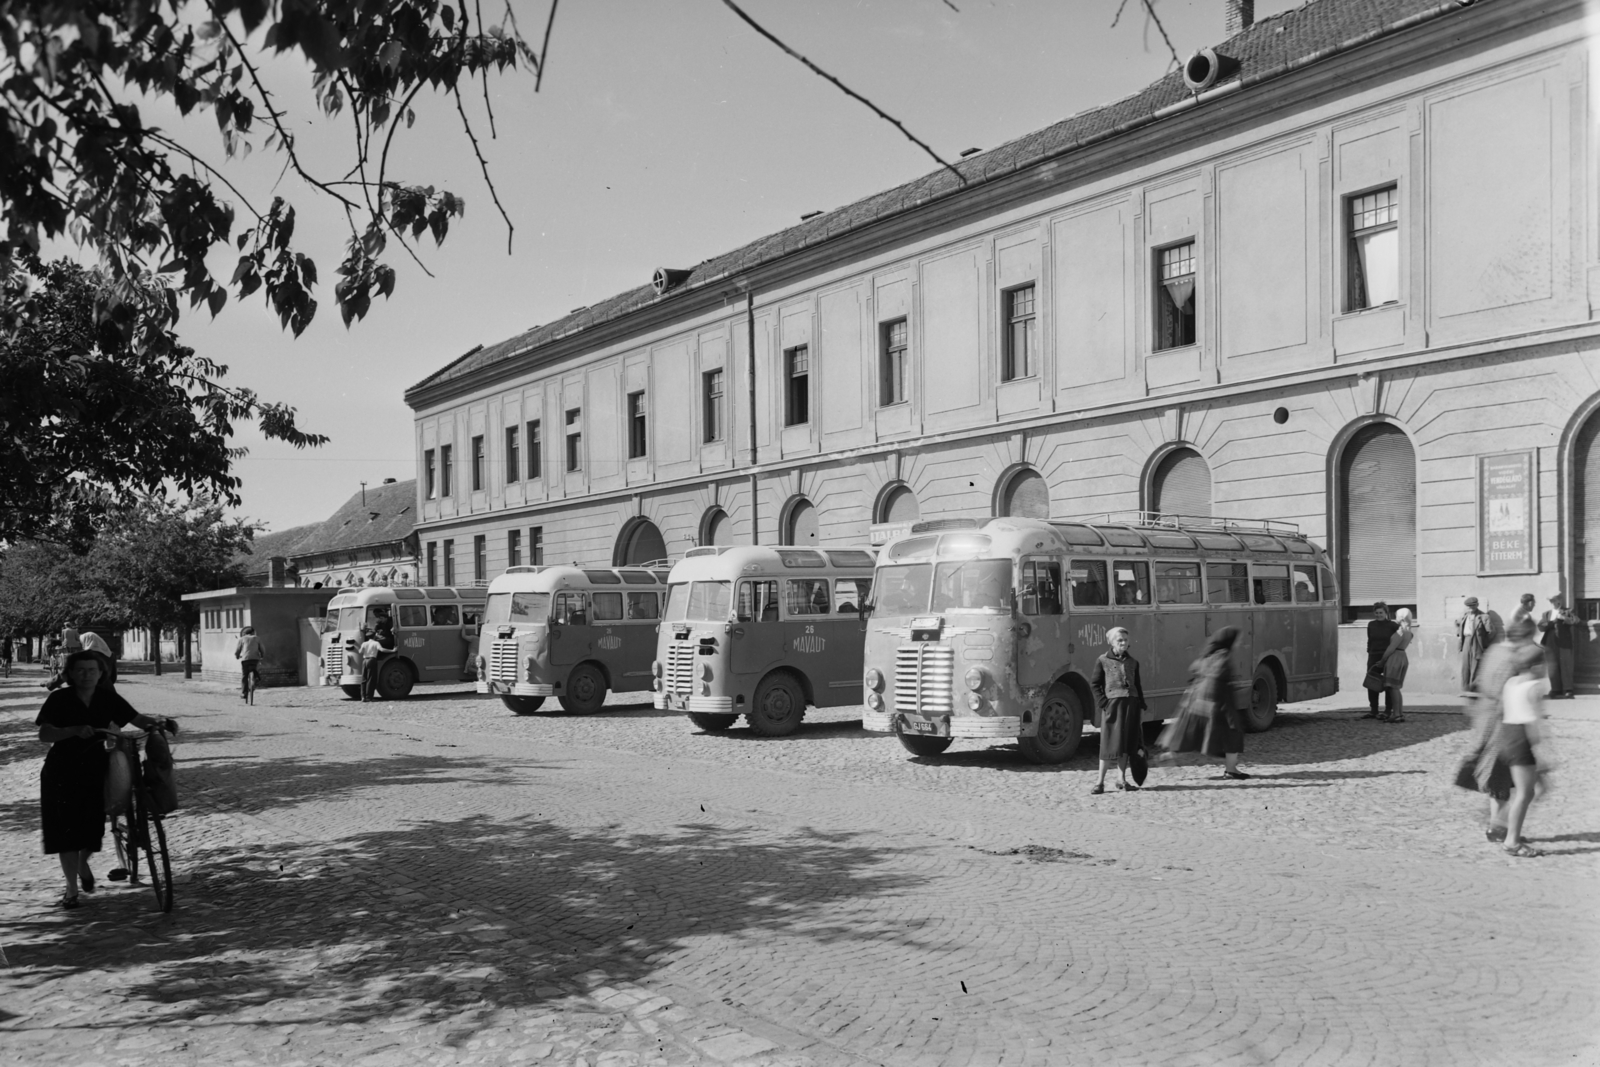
[{"x": 750, "y": 376}]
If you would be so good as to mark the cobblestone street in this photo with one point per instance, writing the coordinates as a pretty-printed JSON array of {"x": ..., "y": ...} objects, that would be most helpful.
[{"x": 438, "y": 881}]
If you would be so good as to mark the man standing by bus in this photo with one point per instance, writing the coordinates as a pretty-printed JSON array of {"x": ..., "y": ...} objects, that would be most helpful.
[
  {"x": 1474, "y": 633},
  {"x": 1379, "y": 631}
]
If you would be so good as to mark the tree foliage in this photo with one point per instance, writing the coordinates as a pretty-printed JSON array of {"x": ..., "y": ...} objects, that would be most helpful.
[
  {"x": 133, "y": 575},
  {"x": 99, "y": 410}
]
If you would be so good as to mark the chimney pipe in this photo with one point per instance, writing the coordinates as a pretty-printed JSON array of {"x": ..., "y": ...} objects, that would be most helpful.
[{"x": 1238, "y": 16}]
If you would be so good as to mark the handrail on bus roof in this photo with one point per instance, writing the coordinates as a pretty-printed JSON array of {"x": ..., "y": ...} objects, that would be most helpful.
[{"x": 1185, "y": 522}]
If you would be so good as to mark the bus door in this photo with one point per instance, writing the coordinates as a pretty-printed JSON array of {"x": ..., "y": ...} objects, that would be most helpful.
[
  {"x": 1228, "y": 600},
  {"x": 1089, "y": 586},
  {"x": 570, "y": 636},
  {"x": 846, "y": 650},
  {"x": 1270, "y": 588},
  {"x": 1180, "y": 627},
  {"x": 1043, "y": 653},
  {"x": 757, "y": 634},
  {"x": 441, "y": 653},
  {"x": 411, "y": 624},
  {"x": 1130, "y": 596},
  {"x": 1309, "y": 628},
  {"x": 639, "y": 635}
]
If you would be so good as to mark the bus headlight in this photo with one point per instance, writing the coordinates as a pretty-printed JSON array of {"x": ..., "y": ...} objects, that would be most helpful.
[
  {"x": 705, "y": 671},
  {"x": 975, "y": 678},
  {"x": 874, "y": 701},
  {"x": 655, "y": 668},
  {"x": 655, "y": 685},
  {"x": 974, "y": 701},
  {"x": 874, "y": 679}
]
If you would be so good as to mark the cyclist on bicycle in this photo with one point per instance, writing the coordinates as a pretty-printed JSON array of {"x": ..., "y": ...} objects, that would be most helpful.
[{"x": 248, "y": 651}]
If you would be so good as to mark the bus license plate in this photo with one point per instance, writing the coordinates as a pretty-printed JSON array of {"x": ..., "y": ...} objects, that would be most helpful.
[{"x": 921, "y": 726}]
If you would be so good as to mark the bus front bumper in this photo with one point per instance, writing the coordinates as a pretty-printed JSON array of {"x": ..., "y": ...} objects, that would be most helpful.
[
  {"x": 516, "y": 689},
  {"x": 698, "y": 704},
  {"x": 976, "y": 726}
]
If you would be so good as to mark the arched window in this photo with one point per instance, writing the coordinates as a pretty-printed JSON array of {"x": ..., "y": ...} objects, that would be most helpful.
[
  {"x": 1026, "y": 496},
  {"x": 899, "y": 505},
  {"x": 1378, "y": 518},
  {"x": 640, "y": 542},
  {"x": 801, "y": 526},
  {"x": 716, "y": 528},
  {"x": 1181, "y": 485}
]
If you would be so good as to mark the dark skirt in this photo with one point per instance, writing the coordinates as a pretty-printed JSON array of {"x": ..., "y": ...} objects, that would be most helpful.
[
  {"x": 1224, "y": 734},
  {"x": 72, "y": 800},
  {"x": 1120, "y": 731}
]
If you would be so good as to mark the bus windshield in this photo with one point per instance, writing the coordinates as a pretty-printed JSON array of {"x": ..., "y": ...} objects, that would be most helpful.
[
  {"x": 517, "y": 607},
  {"x": 699, "y": 601},
  {"x": 972, "y": 585},
  {"x": 902, "y": 590},
  {"x": 350, "y": 618},
  {"x": 331, "y": 623}
]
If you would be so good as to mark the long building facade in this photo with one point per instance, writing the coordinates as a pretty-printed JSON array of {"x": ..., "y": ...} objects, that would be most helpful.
[{"x": 1343, "y": 271}]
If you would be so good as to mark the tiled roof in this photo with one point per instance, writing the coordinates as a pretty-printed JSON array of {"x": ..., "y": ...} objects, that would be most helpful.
[
  {"x": 1273, "y": 46},
  {"x": 267, "y": 545},
  {"x": 388, "y": 514}
]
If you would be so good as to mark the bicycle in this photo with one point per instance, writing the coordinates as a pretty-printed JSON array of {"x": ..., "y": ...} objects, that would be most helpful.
[
  {"x": 252, "y": 679},
  {"x": 138, "y": 826}
]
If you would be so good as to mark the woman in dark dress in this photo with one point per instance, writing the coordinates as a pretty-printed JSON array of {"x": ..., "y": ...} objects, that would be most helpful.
[
  {"x": 71, "y": 786},
  {"x": 1119, "y": 696}
]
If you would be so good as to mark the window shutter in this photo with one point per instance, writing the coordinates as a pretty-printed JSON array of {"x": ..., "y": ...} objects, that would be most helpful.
[
  {"x": 902, "y": 507},
  {"x": 803, "y": 525},
  {"x": 1182, "y": 485},
  {"x": 1379, "y": 477},
  {"x": 1586, "y": 513},
  {"x": 1027, "y": 497}
]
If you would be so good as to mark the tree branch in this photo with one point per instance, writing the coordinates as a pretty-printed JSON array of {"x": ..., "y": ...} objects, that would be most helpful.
[
  {"x": 483, "y": 166},
  {"x": 160, "y": 138}
]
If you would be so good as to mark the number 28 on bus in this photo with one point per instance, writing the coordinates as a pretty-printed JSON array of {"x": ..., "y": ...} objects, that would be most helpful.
[{"x": 992, "y": 631}]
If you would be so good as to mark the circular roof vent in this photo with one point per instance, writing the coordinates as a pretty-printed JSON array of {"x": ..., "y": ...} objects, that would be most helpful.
[
  {"x": 1202, "y": 69},
  {"x": 666, "y": 278}
]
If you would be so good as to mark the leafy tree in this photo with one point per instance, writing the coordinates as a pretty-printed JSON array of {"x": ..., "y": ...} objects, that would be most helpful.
[{"x": 44, "y": 586}]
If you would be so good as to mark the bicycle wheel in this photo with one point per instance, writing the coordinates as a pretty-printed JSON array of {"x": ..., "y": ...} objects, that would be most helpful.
[
  {"x": 154, "y": 839},
  {"x": 250, "y": 688}
]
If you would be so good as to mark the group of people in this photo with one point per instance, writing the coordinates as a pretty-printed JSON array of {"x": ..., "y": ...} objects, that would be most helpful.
[
  {"x": 1558, "y": 630},
  {"x": 1387, "y": 662},
  {"x": 1208, "y": 721}
]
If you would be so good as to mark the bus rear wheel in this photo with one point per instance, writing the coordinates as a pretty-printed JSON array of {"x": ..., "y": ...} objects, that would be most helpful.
[
  {"x": 779, "y": 705},
  {"x": 923, "y": 746},
  {"x": 394, "y": 680},
  {"x": 585, "y": 691},
  {"x": 1060, "y": 728},
  {"x": 713, "y": 724},
  {"x": 1263, "y": 700},
  {"x": 522, "y": 705}
]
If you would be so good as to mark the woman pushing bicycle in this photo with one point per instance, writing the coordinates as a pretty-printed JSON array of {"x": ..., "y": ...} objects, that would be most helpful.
[{"x": 71, "y": 786}]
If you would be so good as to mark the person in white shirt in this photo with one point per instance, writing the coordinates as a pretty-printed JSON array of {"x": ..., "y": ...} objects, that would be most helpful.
[
  {"x": 1521, "y": 735},
  {"x": 371, "y": 649}
]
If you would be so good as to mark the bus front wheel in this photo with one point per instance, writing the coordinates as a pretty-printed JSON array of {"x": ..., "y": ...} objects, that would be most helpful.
[
  {"x": 1263, "y": 700},
  {"x": 778, "y": 708},
  {"x": 1060, "y": 728},
  {"x": 585, "y": 690},
  {"x": 394, "y": 680},
  {"x": 713, "y": 724},
  {"x": 522, "y": 705}
]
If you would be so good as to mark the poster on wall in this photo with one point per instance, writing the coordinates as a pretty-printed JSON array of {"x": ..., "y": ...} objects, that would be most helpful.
[{"x": 1508, "y": 522}]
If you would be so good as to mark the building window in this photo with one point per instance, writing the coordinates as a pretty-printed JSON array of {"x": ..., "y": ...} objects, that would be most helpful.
[
  {"x": 535, "y": 466},
  {"x": 427, "y": 474},
  {"x": 636, "y": 426},
  {"x": 477, "y": 463},
  {"x": 711, "y": 393},
  {"x": 1175, "y": 297},
  {"x": 444, "y": 469},
  {"x": 513, "y": 548},
  {"x": 1373, "y": 254},
  {"x": 480, "y": 558},
  {"x": 892, "y": 342},
  {"x": 797, "y": 378},
  {"x": 1021, "y": 358},
  {"x": 513, "y": 454},
  {"x": 449, "y": 563},
  {"x": 536, "y": 546},
  {"x": 433, "y": 563},
  {"x": 575, "y": 439}
]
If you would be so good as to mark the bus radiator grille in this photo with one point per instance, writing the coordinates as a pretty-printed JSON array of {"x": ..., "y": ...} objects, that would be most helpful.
[
  {"x": 680, "y": 667},
  {"x": 923, "y": 676},
  {"x": 503, "y": 667}
]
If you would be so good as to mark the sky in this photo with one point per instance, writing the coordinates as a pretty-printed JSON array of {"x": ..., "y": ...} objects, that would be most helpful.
[{"x": 663, "y": 134}]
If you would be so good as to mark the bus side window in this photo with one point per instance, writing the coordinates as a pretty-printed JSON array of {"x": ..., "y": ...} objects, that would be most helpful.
[
  {"x": 849, "y": 594},
  {"x": 1178, "y": 583},
  {"x": 572, "y": 609},
  {"x": 413, "y": 616},
  {"x": 1041, "y": 587},
  {"x": 1271, "y": 583},
  {"x": 807, "y": 596},
  {"x": 607, "y": 607},
  {"x": 758, "y": 601},
  {"x": 1088, "y": 578},
  {"x": 444, "y": 615},
  {"x": 1228, "y": 583},
  {"x": 1132, "y": 582},
  {"x": 644, "y": 605},
  {"x": 1305, "y": 585}
]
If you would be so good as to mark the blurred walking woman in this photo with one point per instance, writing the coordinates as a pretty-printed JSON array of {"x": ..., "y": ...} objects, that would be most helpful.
[
  {"x": 71, "y": 797},
  {"x": 1394, "y": 663},
  {"x": 1119, "y": 697},
  {"x": 1208, "y": 719}
]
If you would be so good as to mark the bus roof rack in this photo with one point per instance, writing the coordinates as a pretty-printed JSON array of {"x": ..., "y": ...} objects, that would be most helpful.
[
  {"x": 944, "y": 524},
  {"x": 1188, "y": 522}
]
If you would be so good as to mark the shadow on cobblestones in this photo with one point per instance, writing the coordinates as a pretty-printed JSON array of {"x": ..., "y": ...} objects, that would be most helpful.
[{"x": 357, "y": 931}]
